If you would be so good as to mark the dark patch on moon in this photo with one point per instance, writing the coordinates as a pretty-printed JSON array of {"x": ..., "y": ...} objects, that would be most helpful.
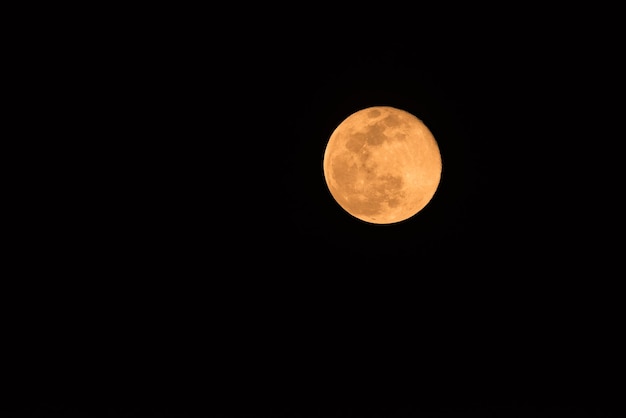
[
  {"x": 392, "y": 121},
  {"x": 373, "y": 136},
  {"x": 400, "y": 137},
  {"x": 384, "y": 189},
  {"x": 345, "y": 172},
  {"x": 374, "y": 113},
  {"x": 377, "y": 190},
  {"x": 355, "y": 144},
  {"x": 390, "y": 189}
]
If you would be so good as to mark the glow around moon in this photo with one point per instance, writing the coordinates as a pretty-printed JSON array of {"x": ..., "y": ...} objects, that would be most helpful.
[{"x": 382, "y": 165}]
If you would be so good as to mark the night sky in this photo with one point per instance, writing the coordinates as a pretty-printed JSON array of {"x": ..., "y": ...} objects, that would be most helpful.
[{"x": 197, "y": 265}]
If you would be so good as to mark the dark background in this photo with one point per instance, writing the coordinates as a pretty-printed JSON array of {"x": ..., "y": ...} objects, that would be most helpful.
[{"x": 180, "y": 255}]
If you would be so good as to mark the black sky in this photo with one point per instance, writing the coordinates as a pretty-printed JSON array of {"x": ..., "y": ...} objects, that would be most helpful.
[{"x": 203, "y": 269}]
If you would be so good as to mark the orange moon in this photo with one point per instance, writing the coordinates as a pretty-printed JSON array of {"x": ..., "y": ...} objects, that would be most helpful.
[{"x": 382, "y": 165}]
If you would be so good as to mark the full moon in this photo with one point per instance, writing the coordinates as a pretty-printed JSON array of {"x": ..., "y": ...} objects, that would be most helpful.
[{"x": 382, "y": 165}]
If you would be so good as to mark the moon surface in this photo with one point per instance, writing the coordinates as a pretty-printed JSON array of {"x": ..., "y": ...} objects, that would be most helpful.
[{"x": 382, "y": 165}]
